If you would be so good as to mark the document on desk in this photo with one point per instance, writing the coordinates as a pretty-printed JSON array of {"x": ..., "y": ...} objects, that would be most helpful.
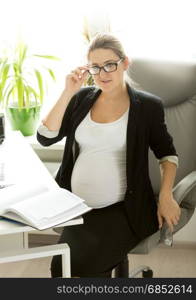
[{"x": 39, "y": 206}]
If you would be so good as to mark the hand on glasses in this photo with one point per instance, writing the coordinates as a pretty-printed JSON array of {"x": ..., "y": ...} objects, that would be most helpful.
[
  {"x": 76, "y": 78},
  {"x": 108, "y": 68}
]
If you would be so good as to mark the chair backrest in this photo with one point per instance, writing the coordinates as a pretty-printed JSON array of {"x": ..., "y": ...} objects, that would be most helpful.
[{"x": 175, "y": 83}]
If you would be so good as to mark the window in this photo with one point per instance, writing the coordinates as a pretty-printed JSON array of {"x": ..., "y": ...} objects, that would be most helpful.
[{"x": 155, "y": 28}]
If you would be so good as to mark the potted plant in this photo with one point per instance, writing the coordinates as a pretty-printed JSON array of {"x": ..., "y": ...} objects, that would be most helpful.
[{"x": 23, "y": 87}]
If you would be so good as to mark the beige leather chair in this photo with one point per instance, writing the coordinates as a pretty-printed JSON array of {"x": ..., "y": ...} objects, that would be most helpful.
[{"x": 175, "y": 83}]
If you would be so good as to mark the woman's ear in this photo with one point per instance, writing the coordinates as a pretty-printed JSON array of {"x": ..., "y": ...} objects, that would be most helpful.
[{"x": 126, "y": 62}]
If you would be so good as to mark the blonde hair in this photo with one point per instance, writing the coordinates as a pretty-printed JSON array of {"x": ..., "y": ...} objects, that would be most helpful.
[{"x": 106, "y": 41}]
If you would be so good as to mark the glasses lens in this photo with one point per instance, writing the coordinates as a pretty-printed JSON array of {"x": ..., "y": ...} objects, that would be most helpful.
[
  {"x": 111, "y": 67},
  {"x": 94, "y": 70}
]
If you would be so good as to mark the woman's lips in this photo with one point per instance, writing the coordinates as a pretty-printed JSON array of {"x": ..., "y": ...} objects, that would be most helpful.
[{"x": 106, "y": 81}]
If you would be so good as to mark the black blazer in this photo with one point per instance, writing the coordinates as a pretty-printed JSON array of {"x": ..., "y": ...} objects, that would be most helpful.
[{"x": 146, "y": 128}]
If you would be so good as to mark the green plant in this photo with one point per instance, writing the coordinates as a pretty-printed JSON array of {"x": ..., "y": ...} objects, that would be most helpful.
[{"x": 22, "y": 79}]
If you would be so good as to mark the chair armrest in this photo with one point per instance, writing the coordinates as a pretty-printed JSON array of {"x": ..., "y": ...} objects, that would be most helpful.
[
  {"x": 145, "y": 246},
  {"x": 185, "y": 194},
  {"x": 181, "y": 190}
]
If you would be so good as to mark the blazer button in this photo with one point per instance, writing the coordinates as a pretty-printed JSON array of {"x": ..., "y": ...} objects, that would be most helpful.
[{"x": 130, "y": 192}]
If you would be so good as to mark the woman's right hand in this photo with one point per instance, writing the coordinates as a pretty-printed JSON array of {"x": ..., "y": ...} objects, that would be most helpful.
[{"x": 75, "y": 79}]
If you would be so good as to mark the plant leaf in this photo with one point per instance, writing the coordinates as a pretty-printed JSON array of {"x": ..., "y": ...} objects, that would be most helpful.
[
  {"x": 47, "y": 56},
  {"x": 20, "y": 92},
  {"x": 3, "y": 77},
  {"x": 32, "y": 91},
  {"x": 24, "y": 53},
  {"x": 4, "y": 73},
  {"x": 8, "y": 95},
  {"x": 20, "y": 53},
  {"x": 27, "y": 96},
  {"x": 40, "y": 85},
  {"x": 51, "y": 73}
]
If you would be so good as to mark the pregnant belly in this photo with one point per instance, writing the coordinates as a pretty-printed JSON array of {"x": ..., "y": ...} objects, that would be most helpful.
[{"x": 100, "y": 182}]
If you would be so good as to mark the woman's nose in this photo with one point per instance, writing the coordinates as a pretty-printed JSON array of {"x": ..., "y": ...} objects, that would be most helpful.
[{"x": 102, "y": 72}]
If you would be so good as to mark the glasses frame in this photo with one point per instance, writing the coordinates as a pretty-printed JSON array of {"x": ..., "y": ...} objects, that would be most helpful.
[{"x": 116, "y": 63}]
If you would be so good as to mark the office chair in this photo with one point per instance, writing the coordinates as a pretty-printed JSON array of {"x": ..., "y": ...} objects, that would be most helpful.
[{"x": 175, "y": 83}]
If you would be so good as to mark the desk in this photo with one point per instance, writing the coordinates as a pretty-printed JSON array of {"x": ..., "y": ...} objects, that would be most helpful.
[{"x": 19, "y": 163}]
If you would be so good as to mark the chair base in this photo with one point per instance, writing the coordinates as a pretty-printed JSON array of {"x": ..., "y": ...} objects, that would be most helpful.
[
  {"x": 145, "y": 270},
  {"x": 122, "y": 270}
]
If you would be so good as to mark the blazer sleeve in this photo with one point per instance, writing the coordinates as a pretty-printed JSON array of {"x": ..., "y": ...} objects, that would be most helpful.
[
  {"x": 161, "y": 142},
  {"x": 64, "y": 129}
]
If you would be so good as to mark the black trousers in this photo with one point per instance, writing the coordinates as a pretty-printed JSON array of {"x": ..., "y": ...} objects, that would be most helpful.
[{"x": 98, "y": 245}]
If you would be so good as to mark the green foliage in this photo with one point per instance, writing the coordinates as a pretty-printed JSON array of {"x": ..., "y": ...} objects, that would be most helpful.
[
  {"x": 89, "y": 81},
  {"x": 23, "y": 78}
]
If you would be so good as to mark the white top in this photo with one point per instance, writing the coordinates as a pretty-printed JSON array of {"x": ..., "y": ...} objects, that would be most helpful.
[{"x": 99, "y": 173}]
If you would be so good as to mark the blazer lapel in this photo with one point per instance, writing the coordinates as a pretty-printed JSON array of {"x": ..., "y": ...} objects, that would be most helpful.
[
  {"x": 85, "y": 107},
  {"x": 79, "y": 115},
  {"x": 132, "y": 129}
]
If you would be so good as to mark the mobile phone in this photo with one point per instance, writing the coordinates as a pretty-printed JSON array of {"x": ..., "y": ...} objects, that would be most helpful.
[{"x": 2, "y": 128}]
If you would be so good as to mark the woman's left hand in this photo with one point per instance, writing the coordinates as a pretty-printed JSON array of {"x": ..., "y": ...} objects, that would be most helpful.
[{"x": 168, "y": 210}]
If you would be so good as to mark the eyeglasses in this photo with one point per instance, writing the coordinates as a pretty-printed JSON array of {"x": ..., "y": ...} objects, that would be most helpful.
[{"x": 108, "y": 68}]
